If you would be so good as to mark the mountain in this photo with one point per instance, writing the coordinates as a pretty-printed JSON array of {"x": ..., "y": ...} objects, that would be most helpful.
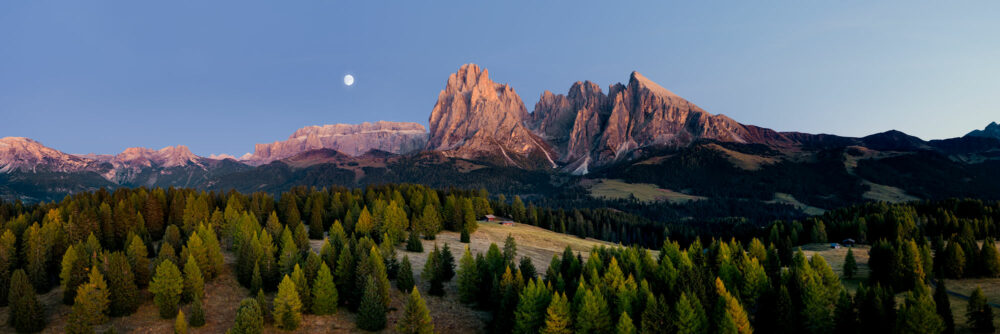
[
  {"x": 591, "y": 129},
  {"x": 26, "y": 155},
  {"x": 476, "y": 118},
  {"x": 350, "y": 139},
  {"x": 991, "y": 131}
]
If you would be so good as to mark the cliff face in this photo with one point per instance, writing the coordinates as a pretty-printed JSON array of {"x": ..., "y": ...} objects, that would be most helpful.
[
  {"x": 589, "y": 128},
  {"x": 350, "y": 139},
  {"x": 26, "y": 155},
  {"x": 476, "y": 118}
]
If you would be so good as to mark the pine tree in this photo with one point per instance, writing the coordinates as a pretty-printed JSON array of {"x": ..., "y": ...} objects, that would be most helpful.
[
  {"x": 464, "y": 236},
  {"x": 364, "y": 226},
  {"x": 593, "y": 316},
  {"x": 256, "y": 280},
  {"x": 979, "y": 313},
  {"x": 429, "y": 223},
  {"x": 121, "y": 285},
  {"x": 416, "y": 318},
  {"x": 954, "y": 260},
  {"x": 413, "y": 243},
  {"x": 918, "y": 313},
  {"x": 25, "y": 313},
  {"x": 194, "y": 282},
  {"x": 404, "y": 279},
  {"x": 167, "y": 286},
  {"x": 447, "y": 264},
  {"x": 625, "y": 325},
  {"x": 180, "y": 324},
  {"x": 371, "y": 312},
  {"x": 990, "y": 259},
  {"x": 432, "y": 272},
  {"x": 468, "y": 278},
  {"x": 656, "y": 317},
  {"x": 287, "y": 306},
  {"x": 8, "y": 259},
  {"x": 529, "y": 316},
  {"x": 844, "y": 315},
  {"x": 73, "y": 273},
  {"x": 344, "y": 274},
  {"x": 686, "y": 317},
  {"x": 509, "y": 249},
  {"x": 850, "y": 265},
  {"x": 732, "y": 309},
  {"x": 316, "y": 222},
  {"x": 36, "y": 252},
  {"x": 943, "y": 305},
  {"x": 138, "y": 260},
  {"x": 557, "y": 317},
  {"x": 249, "y": 318},
  {"x": 324, "y": 292},
  {"x": 302, "y": 286},
  {"x": 197, "y": 318}
]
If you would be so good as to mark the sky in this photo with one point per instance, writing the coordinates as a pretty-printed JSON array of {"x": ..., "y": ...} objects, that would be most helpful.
[{"x": 101, "y": 76}]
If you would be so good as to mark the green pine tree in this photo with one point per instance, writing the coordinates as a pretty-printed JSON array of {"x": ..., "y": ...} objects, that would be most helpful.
[
  {"x": 194, "y": 282},
  {"x": 138, "y": 259},
  {"x": 625, "y": 325},
  {"x": 404, "y": 279},
  {"x": 557, "y": 317},
  {"x": 943, "y": 304},
  {"x": 25, "y": 313},
  {"x": 249, "y": 318},
  {"x": 686, "y": 317},
  {"x": 468, "y": 278},
  {"x": 413, "y": 243},
  {"x": 416, "y": 318},
  {"x": 529, "y": 316},
  {"x": 287, "y": 306},
  {"x": 167, "y": 286},
  {"x": 371, "y": 312},
  {"x": 850, "y": 265},
  {"x": 918, "y": 313},
  {"x": 593, "y": 316},
  {"x": 324, "y": 292},
  {"x": 979, "y": 313},
  {"x": 73, "y": 272},
  {"x": 990, "y": 259},
  {"x": 121, "y": 285},
  {"x": 302, "y": 286},
  {"x": 197, "y": 318}
]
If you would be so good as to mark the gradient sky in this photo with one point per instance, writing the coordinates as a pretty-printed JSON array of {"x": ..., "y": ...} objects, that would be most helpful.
[{"x": 100, "y": 76}]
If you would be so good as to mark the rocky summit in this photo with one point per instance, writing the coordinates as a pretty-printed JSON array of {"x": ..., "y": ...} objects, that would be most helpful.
[{"x": 350, "y": 139}]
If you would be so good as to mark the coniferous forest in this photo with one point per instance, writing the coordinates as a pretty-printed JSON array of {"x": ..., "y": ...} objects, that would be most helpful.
[{"x": 326, "y": 251}]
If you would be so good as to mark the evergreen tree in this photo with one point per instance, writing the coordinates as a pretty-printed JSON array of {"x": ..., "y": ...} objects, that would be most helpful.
[
  {"x": 194, "y": 283},
  {"x": 732, "y": 309},
  {"x": 656, "y": 316},
  {"x": 180, "y": 324},
  {"x": 8, "y": 259},
  {"x": 302, "y": 287},
  {"x": 918, "y": 313},
  {"x": 371, "y": 312},
  {"x": 557, "y": 317},
  {"x": 464, "y": 236},
  {"x": 625, "y": 325},
  {"x": 468, "y": 278},
  {"x": 447, "y": 264},
  {"x": 529, "y": 316},
  {"x": 167, "y": 286},
  {"x": 249, "y": 318},
  {"x": 365, "y": 225},
  {"x": 121, "y": 284},
  {"x": 404, "y": 279},
  {"x": 979, "y": 313},
  {"x": 25, "y": 313},
  {"x": 416, "y": 318},
  {"x": 256, "y": 280},
  {"x": 850, "y": 265},
  {"x": 316, "y": 222},
  {"x": 324, "y": 292},
  {"x": 844, "y": 315},
  {"x": 344, "y": 274},
  {"x": 509, "y": 248},
  {"x": 686, "y": 316},
  {"x": 432, "y": 272},
  {"x": 287, "y": 306},
  {"x": 138, "y": 260},
  {"x": 197, "y": 318},
  {"x": 413, "y": 243},
  {"x": 943, "y": 305},
  {"x": 73, "y": 272},
  {"x": 593, "y": 316},
  {"x": 990, "y": 259},
  {"x": 954, "y": 260},
  {"x": 429, "y": 223}
]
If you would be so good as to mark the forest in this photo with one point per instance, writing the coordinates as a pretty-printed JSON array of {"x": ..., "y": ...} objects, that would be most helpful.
[{"x": 330, "y": 250}]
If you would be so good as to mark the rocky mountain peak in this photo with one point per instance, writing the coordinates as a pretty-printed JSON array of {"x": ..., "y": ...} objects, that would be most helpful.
[
  {"x": 349, "y": 139},
  {"x": 475, "y": 117},
  {"x": 24, "y": 154},
  {"x": 992, "y": 130}
]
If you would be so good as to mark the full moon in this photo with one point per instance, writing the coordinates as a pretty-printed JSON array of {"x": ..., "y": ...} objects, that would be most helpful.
[{"x": 348, "y": 79}]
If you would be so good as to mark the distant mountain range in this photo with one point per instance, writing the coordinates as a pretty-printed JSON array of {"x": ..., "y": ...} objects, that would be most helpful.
[{"x": 481, "y": 135}]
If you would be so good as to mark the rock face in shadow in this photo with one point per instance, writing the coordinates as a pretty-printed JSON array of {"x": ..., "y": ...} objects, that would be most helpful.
[
  {"x": 350, "y": 139},
  {"x": 476, "y": 118}
]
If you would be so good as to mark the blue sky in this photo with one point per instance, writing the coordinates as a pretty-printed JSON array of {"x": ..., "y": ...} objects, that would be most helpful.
[{"x": 101, "y": 76}]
